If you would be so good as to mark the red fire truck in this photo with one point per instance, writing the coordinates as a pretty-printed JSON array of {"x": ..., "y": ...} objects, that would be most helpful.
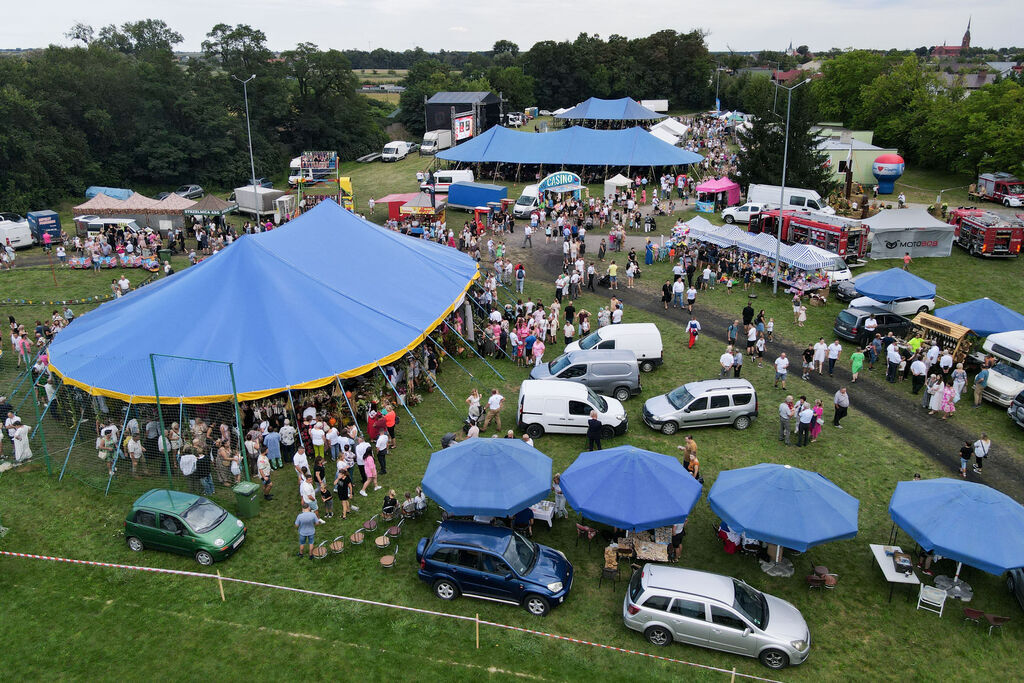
[
  {"x": 844, "y": 236},
  {"x": 984, "y": 233},
  {"x": 1004, "y": 188}
]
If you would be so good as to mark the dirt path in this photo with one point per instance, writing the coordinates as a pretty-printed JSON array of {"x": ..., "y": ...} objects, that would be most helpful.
[{"x": 939, "y": 440}]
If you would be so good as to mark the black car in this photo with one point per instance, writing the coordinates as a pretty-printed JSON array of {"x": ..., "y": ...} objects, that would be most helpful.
[
  {"x": 846, "y": 290},
  {"x": 1015, "y": 582},
  {"x": 161, "y": 196},
  {"x": 1016, "y": 412},
  {"x": 849, "y": 324}
]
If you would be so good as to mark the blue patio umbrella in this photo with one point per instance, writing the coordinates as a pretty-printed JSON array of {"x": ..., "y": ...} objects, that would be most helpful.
[
  {"x": 984, "y": 316},
  {"x": 892, "y": 284},
  {"x": 965, "y": 521},
  {"x": 496, "y": 477},
  {"x": 785, "y": 505},
  {"x": 629, "y": 488}
]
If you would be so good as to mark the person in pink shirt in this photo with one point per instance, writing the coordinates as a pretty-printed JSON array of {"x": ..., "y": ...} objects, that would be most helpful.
[
  {"x": 370, "y": 467},
  {"x": 538, "y": 351}
]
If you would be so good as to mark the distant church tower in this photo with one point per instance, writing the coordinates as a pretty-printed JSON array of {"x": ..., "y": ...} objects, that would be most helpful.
[{"x": 966, "y": 42}]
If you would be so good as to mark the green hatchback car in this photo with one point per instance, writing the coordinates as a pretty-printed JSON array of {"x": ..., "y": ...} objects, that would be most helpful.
[{"x": 183, "y": 523}]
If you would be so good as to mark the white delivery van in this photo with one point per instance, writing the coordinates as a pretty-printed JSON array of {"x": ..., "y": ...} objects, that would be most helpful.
[
  {"x": 528, "y": 201},
  {"x": 643, "y": 339},
  {"x": 743, "y": 213},
  {"x": 443, "y": 179},
  {"x": 563, "y": 407},
  {"x": 1006, "y": 377},
  {"x": 396, "y": 151},
  {"x": 796, "y": 198},
  {"x": 434, "y": 141},
  {"x": 15, "y": 231}
]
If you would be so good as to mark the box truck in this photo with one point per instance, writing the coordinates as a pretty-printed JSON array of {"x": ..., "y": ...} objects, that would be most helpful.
[
  {"x": 256, "y": 201},
  {"x": 434, "y": 141},
  {"x": 40, "y": 222}
]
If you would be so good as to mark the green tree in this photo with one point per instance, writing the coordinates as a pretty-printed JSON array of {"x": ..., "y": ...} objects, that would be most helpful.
[
  {"x": 838, "y": 90},
  {"x": 897, "y": 103},
  {"x": 515, "y": 86},
  {"x": 760, "y": 156}
]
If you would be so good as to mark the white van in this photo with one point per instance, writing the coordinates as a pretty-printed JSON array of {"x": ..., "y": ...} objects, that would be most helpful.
[
  {"x": 643, "y": 339},
  {"x": 396, "y": 151},
  {"x": 796, "y": 198},
  {"x": 563, "y": 407},
  {"x": 528, "y": 201},
  {"x": 15, "y": 231},
  {"x": 1005, "y": 378},
  {"x": 444, "y": 179}
]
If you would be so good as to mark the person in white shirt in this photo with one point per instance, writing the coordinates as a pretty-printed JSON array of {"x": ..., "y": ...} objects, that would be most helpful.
[
  {"x": 124, "y": 284},
  {"x": 892, "y": 362},
  {"x": 834, "y": 350},
  {"x": 134, "y": 449},
  {"x": 725, "y": 360},
  {"x": 495, "y": 402},
  {"x": 527, "y": 439},
  {"x": 616, "y": 316},
  {"x": 806, "y": 417},
  {"x": 360, "y": 449},
  {"x": 933, "y": 355},
  {"x": 946, "y": 362},
  {"x": 300, "y": 462},
  {"x": 870, "y": 325},
  {"x": 820, "y": 349},
  {"x": 318, "y": 438},
  {"x": 287, "y": 434},
  {"x": 307, "y": 494},
  {"x": 705, "y": 279},
  {"x": 334, "y": 442},
  {"x": 382, "y": 452},
  {"x": 781, "y": 368},
  {"x": 919, "y": 372}
]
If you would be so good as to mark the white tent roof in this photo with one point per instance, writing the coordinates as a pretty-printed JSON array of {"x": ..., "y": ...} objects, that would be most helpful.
[
  {"x": 672, "y": 126},
  {"x": 665, "y": 135},
  {"x": 888, "y": 220},
  {"x": 618, "y": 180}
]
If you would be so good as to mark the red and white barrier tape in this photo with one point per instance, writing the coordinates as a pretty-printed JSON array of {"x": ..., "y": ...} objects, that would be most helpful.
[{"x": 179, "y": 572}]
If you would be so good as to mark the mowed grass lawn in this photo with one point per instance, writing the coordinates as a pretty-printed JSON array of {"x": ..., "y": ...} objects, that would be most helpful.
[{"x": 110, "y": 624}]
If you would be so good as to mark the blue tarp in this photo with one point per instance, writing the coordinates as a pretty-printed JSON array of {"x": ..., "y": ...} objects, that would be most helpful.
[
  {"x": 962, "y": 520},
  {"x": 291, "y": 308},
  {"x": 984, "y": 316},
  {"x": 892, "y": 284},
  {"x": 496, "y": 477},
  {"x": 574, "y": 146},
  {"x": 623, "y": 109},
  {"x": 112, "y": 192},
  {"x": 629, "y": 488},
  {"x": 785, "y": 505}
]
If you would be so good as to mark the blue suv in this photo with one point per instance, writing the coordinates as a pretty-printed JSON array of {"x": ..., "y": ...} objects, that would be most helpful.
[{"x": 493, "y": 563}]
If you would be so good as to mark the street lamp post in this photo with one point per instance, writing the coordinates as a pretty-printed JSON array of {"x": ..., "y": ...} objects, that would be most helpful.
[
  {"x": 782, "y": 193},
  {"x": 248, "y": 128}
]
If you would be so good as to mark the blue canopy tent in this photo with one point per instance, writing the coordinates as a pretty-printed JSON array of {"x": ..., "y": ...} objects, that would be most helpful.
[
  {"x": 785, "y": 505},
  {"x": 984, "y": 316},
  {"x": 965, "y": 521},
  {"x": 622, "y": 109},
  {"x": 253, "y": 305},
  {"x": 892, "y": 284},
  {"x": 629, "y": 488},
  {"x": 574, "y": 146},
  {"x": 496, "y": 477}
]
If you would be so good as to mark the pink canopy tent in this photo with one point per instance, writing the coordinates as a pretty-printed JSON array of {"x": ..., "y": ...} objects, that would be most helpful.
[{"x": 731, "y": 189}]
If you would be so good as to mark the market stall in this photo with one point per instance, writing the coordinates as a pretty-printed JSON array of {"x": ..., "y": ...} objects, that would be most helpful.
[
  {"x": 421, "y": 210},
  {"x": 715, "y": 195}
]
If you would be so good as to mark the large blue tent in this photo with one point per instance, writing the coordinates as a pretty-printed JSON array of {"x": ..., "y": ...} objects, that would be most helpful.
[
  {"x": 327, "y": 295},
  {"x": 573, "y": 146},
  {"x": 497, "y": 477},
  {"x": 892, "y": 284},
  {"x": 622, "y": 109},
  {"x": 984, "y": 316},
  {"x": 785, "y": 505},
  {"x": 962, "y": 520},
  {"x": 629, "y": 488}
]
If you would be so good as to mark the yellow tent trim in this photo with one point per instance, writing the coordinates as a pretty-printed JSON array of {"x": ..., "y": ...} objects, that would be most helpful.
[{"x": 254, "y": 395}]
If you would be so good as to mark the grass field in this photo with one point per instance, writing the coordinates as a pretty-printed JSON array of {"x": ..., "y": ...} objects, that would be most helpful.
[
  {"x": 389, "y": 97},
  {"x": 853, "y": 627},
  {"x": 923, "y": 186}
]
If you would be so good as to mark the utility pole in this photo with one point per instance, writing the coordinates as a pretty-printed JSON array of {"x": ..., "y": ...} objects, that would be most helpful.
[
  {"x": 248, "y": 128},
  {"x": 782, "y": 193}
]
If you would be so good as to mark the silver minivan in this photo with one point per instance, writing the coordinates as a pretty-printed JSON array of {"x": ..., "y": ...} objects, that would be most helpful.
[
  {"x": 716, "y": 612},
  {"x": 707, "y": 403},
  {"x": 610, "y": 372}
]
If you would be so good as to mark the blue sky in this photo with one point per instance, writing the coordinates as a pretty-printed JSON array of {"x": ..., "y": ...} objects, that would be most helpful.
[{"x": 399, "y": 24}]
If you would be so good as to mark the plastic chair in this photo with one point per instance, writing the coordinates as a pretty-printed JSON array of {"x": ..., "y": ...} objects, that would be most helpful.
[
  {"x": 395, "y": 530},
  {"x": 932, "y": 599},
  {"x": 357, "y": 538},
  {"x": 337, "y": 545},
  {"x": 995, "y": 622},
  {"x": 975, "y": 615},
  {"x": 382, "y": 541},
  {"x": 320, "y": 552},
  {"x": 371, "y": 523},
  {"x": 388, "y": 561},
  {"x": 815, "y": 581},
  {"x": 583, "y": 531}
]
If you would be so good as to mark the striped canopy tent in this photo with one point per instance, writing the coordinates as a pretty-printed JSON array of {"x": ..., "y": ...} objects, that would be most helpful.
[
  {"x": 763, "y": 243},
  {"x": 803, "y": 257}
]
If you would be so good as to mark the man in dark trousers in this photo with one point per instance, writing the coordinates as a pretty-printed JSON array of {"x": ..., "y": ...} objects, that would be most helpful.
[
  {"x": 593, "y": 432},
  {"x": 748, "y": 315}
]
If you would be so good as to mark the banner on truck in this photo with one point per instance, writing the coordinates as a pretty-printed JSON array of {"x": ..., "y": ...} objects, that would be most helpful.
[
  {"x": 463, "y": 127},
  {"x": 918, "y": 243},
  {"x": 320, "y": 161}
]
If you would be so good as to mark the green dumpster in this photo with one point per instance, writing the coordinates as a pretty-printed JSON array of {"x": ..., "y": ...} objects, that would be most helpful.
[
  {"x": 247, "y": 500},
  {"x": 163, "y": 255}
]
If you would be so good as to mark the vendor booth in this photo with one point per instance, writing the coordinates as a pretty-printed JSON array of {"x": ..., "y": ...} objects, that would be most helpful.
[
  {"x": 392, "y": 203},
  {"x": 612, "y": 185},
  {"x": 715, "y": 195},
  {"x": 420, "y": 212},
  {"x": 895, "y": 232}
]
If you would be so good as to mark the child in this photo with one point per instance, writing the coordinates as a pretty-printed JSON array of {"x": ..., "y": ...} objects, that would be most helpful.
[
  {"x": 770, "y": 329},
  {"x": 801, "y": 316},
  {"x": 328, "y": 499},
  {"x": 759, "y": 347},
  {"x": 728, "y": 286}
]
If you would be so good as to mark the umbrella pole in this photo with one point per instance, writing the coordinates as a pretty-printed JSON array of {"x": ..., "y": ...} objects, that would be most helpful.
[{"x": 405, "y": 405}]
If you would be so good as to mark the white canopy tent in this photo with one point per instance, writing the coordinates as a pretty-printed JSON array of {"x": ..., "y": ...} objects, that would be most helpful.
[
  {"x": 665, "y": 135},
  {"x": 612, "y": 184}
]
